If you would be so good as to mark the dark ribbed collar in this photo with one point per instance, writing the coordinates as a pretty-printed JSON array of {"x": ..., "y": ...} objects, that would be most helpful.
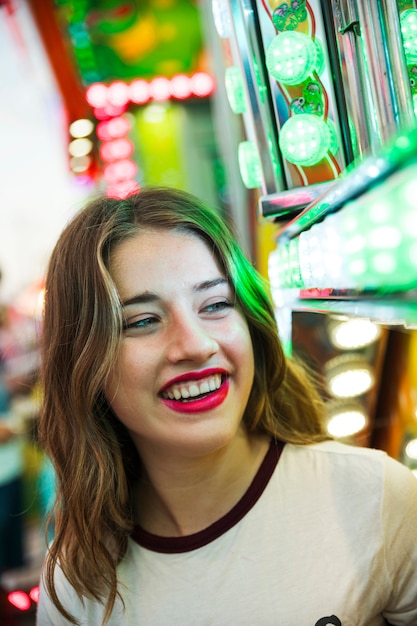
[{"x": 173, "y": 545}]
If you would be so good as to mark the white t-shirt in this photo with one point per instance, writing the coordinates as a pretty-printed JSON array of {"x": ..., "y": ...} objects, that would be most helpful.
[{"x": 326, "y": 536}]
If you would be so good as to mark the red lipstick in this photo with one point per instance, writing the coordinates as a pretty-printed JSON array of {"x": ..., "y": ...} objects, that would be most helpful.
[{"x": 199, "y": 405}]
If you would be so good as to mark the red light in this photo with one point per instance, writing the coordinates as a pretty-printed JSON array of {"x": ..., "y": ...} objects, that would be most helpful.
[
  {"x": 123, "y": 189},
  {"x": 113, "y": 129},
  {"x": 116, "y": 149},
  {"x": 20, "y": 600},
  {"x": 180, "y": 86},
  {"x": 97, "y": 95},
  {"x": 120, "y": 171},
  {"x": 202, "y": 84},
  {"x": 34, "y": 594},
  {"x": 160, "y": 88},
  {"x": 139, "y": 91},
  {"x": 118, "y": 94}
]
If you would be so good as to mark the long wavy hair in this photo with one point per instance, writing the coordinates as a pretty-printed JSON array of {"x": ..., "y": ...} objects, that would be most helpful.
[{"x": 95, "y": 461}]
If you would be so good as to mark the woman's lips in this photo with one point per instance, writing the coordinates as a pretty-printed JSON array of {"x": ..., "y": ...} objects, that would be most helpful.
[{"x": 199, "y": 404}]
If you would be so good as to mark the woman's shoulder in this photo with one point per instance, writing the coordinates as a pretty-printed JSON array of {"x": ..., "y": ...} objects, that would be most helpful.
[{"x": 348, "y": 460}]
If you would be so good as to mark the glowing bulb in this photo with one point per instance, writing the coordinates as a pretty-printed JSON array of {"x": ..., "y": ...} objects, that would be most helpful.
[
  {"x": 181, "y": 86},
  {"x": 139, "y": 91},
  {"x": 293, "y": 56},
  {"x": 249, "y": 164},
  {"x": 354, "y": 333},
  {"x": 96, "y": 95},
  {"x": 20, "y": 600},
  {"x": 351, "y": 383},
  {"x": 346, "y": 423},
  {"x": 408, "y": 21},
  {"x": 411, "y": 449},
  {"x": 235, "y": 89},
  {"x": 80, "y": 147},
  {"x": 305, "y": 139},
  {"x": 81, "y": 128}
]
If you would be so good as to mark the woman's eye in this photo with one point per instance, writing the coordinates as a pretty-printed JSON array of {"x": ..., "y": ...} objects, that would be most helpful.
[
  {"x": 217, "y": 307},
  {"x": 144, "y": 322}
]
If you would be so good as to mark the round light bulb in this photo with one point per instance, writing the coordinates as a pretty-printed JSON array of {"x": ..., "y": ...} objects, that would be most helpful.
[
  {"x": 249, "y": 164},
  {"x": 408, "y": 21},
  {"x": 235, "y": 89},
  {"x": 292, "y": 57},
  {"x": 346, "y": 423},
  {"x": 305, "y": 139}
]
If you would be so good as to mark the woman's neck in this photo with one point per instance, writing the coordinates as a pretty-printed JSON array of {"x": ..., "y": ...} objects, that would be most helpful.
[{"x": 180, "y": 497}]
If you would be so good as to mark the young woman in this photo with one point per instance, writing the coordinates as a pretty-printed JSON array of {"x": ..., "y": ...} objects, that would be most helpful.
[{"x": 195, "y": 482}]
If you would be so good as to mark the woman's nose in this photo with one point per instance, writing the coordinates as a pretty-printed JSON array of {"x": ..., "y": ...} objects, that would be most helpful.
[{"x": 189, "y": 340}]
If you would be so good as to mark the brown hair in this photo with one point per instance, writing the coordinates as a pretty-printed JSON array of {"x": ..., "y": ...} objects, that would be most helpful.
[{"x": 93, "y": 456}]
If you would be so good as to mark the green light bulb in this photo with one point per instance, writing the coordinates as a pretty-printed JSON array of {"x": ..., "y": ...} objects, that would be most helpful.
[
  {"x": 408, "y": 21},
  {"x": 235, "y": 89},
  {"x": 292, "y": 57},
  {"x": 249, "y": 164},
  {"x": 305, "y": 139}
]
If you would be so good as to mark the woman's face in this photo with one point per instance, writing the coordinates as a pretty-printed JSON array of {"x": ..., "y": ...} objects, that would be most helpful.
[{"x": 186, "y": 365}]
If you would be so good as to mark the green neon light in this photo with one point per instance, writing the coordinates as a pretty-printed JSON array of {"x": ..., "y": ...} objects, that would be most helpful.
[
  {"x": 235, "y": 89},
  {"x": 292, "y": 57},
  {"x": 306, "y": 139},
  {"x": 249, "y": 164},
  {"x": 408, "y": 21}
]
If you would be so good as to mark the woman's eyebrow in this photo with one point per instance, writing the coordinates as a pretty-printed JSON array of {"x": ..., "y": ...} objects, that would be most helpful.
[
  {"x": 141, "y": 298},
  {"x": 208, "y": 284},
  {"x": 150, "y": 296}
]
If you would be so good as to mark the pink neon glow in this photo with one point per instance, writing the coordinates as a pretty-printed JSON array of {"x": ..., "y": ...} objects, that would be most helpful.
[
  {"x": 34, "y": 594},
  {"x": 96, "y": 95},
  {"x": 116, "y": 149},
  {"x": 160, "y": 88},
  {"x": 181, "y": 87},
  {"x": 123, "y": 189},
  {"x": 120, "y": 171},
  {"x": 113, "y": 129},
  {"x": 111, "y": 101},
  {"x": 139, "y": 91},
  {"x": 118, "y": 94},
  {"x": 202, "y": 84},
  {"x": 20, "y": 600}
]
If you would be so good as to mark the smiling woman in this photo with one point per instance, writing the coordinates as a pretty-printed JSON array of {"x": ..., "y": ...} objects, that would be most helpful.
[{"x": 168, "y": 400}]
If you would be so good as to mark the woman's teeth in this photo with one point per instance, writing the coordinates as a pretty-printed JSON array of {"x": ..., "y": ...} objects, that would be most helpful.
[{"x": 193, "y": 389}]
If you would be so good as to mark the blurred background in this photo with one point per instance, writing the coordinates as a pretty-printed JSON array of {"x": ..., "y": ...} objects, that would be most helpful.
[{"x": 295, "y": 121}]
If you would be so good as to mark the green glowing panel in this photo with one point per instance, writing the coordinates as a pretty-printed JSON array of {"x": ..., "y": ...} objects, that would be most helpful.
[
  {"x": 294, "y": 264},
  {"x": 305, "y": 139},
  {"x": 235, "y": 89},
  {"x": 408, "y": 20},
  {"x": 249, "y": 164},
  {"x": 292, "y": 57},
  {"x": 380, "y": 241}
]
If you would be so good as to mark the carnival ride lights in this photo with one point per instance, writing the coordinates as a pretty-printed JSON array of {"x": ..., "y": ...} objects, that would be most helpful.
[
  {"x": 249, "y": 164},
  {"x": 81, "y": 146},
  {"x": 23, "y": 601},
  {"x": 369, "y": 244},
  {"x": 306, "y": 139},
  {"x": 345, "y": 419},
  {"x": 235, "y": 89},
  {"x": 110, "y": 104},
  {"x": 296, "y": 59},
  {"x": 119, "y": 94},
  {"x": 292, "y": 57},
  {"x": 352, "y": 333},
  {"x": 408, "y": 24},
  {"x": 348, "y": 376}
]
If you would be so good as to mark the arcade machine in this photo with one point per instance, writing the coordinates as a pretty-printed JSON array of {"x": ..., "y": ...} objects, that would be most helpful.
[{"x": 326, "y": 91}]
